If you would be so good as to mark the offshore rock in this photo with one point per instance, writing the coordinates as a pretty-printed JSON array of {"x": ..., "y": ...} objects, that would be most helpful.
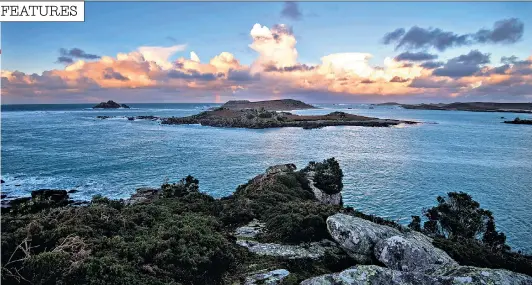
[{"x": 110, "y": 105}]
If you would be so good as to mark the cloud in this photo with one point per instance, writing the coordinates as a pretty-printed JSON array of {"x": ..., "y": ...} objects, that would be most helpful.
[
  {"x": 110, "y": 74},
  {"x": 463, "y": 65},
  {"x": 291, "y": 11},
  {"x": 506, "y": 31},
  {"x": 77, "y": 53},
  {"x": 398, "y": 79},
  {"x": 297, "y": 67},
  {"x": 276, "y": 72},
  {"x": 415, "y": 56},
  {"x": 432, "y": 64}
]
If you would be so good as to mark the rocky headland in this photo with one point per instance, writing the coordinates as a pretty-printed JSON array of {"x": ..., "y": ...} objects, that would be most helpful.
[
  {"x": 270, "y": 105},
  {"x": 285, "y": 226},
  {"x": 475, "y": 107},
  {"x": 519, "y": 121},
  {"x": 110, "y": 105}
]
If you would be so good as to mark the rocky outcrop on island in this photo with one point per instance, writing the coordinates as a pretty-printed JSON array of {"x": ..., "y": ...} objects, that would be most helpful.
[
  {"x": 110, "y": 105},
  {"x": 262, "y": 119},
  {"x": 278, "y": 228},
  {"x": 475, "y": 107},
  {"x": 519, "y": 121},
  {"x": 270, "y": 105}
]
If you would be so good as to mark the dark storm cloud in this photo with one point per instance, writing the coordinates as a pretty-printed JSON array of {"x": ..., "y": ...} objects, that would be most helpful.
[
  {"x": 65, "y": 59},
  {"x": 515, "y": 60},
  {"x": 77, "y": 53},
  {"x": 463, "y": 65},
  {"x": 393, "y": 36},
  {"x": 506, "y": 31},
  {"x": 415, "y": 56},
  {"x": 291, "y": 11},
  {"x": 432, "y": 64},
  {"x": 110, "y": 74},
  {"x": 398, "y": 79}
]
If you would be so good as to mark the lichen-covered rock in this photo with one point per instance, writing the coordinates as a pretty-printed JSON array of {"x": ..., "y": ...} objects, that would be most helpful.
[
  {"x": 357, "y": 236},
  {"x": 411, "y": 252},
  {"x": 280, "y": 168},
  {"x": 270, "y": 277},
  {"x": 314, "y": 250},
  {"x": 375, "y": 275},
  {"x": 249, "y": 231}
]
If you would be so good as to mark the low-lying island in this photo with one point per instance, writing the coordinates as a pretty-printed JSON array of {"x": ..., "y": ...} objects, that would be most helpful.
[{"x": 271, "y": 114}]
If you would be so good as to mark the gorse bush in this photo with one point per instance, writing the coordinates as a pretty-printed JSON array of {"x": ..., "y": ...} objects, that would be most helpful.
[{"x": 468, "y": 234}]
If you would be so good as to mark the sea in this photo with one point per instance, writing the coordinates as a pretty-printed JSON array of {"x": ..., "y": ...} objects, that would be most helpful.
[{"x": 392, "y": 172}]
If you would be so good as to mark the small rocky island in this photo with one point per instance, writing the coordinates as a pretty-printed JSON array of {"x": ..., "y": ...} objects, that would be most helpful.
[
  {"x": 110, "y": 105},
  {"x": 519, "y": 121},
  {"x": 270, "y": 105},
  {"x": 285, "y": 226}
]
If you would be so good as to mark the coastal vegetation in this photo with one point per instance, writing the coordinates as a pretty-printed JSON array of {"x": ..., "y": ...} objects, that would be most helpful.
[{"x": 178, "y": 235}]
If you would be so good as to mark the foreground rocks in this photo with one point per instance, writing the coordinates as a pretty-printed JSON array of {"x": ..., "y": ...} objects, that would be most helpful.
[
  {"x": 366, "y": 241},
  {"x": 372, "y": 274},
  {"x": 110, "y": 105}
]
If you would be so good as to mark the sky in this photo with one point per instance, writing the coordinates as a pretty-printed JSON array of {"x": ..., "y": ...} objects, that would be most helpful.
[{"x": 319, "y": 52}]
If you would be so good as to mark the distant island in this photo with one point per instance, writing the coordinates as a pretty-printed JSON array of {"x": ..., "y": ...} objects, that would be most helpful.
[
  {"x": 475, "y": 107},
  {"x": 388, "y": 104},
  {"x": 110, "y": 105},
  {"x": 264, "y": 114},
  {"x": 518, "y": 121},
  {"x": 270, "y": 105}
]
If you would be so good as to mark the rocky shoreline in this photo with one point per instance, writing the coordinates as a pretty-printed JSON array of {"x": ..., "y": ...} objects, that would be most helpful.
[
  {"x": 263, "y": 119},
  {"x": 285, "y": 226}
]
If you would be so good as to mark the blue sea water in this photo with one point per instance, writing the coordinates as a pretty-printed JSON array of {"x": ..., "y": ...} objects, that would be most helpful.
[{"x": 391, "y": 172}]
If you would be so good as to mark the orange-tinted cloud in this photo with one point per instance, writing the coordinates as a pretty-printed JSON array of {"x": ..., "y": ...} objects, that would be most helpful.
[{"x": 276, "y": 71}]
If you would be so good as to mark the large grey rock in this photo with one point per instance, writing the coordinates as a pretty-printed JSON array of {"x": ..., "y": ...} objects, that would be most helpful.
[
  {"x": 357, "y": 236},
  {"x": 412, "y": 251},
  {"x": 271, "y": 277},
  {"x": 375, "y": 275},
  {"x": 314, "y": 250}
]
